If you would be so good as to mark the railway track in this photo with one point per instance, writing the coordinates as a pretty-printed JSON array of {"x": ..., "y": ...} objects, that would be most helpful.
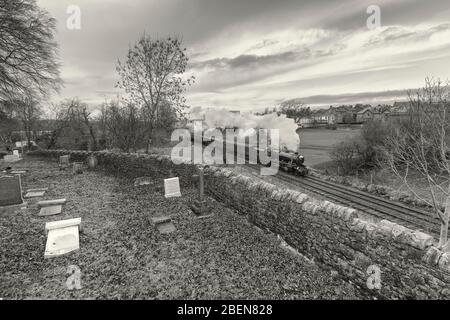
[{"x": 368, "y": 203}]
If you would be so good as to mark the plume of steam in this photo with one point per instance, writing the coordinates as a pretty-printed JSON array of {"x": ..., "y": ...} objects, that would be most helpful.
[{"x": 222, "y": 118}]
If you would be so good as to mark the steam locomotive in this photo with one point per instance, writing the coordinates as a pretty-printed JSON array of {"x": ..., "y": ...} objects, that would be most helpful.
[{"x": 291, "y": 162}]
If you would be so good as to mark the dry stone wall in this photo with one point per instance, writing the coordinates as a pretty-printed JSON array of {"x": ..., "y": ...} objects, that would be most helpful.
[{"x": 334, "y": 236}]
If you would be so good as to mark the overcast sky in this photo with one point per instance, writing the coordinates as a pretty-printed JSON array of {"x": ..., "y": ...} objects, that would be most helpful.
[{"x": 249, "y": 54}]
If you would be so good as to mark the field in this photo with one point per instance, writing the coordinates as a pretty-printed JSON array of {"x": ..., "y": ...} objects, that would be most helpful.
[
  {"x": 122, "y": 255},
  {"x": 316, "y": 143}
]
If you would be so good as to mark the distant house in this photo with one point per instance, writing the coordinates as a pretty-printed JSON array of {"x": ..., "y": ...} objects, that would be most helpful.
[
  {"x": 364, "y": 115},
  {"x": 323, "y": 117},
  {"x": 305, "y": 122},
  {"x": 399, "y": 111}
]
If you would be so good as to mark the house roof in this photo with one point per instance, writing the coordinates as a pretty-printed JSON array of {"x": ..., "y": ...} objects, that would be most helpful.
[{"x": 364, "y": 110}]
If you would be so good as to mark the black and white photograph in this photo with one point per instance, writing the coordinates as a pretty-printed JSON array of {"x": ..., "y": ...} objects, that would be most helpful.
[{"x": 224, "y": 156}]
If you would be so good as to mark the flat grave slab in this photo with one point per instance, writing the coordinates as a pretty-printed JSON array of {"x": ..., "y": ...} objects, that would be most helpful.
[
  {"x": 61, "y": 241},
  {"x": 142, "y": 181},
  {"x": 11, "y": 158},
  {"x": 34, "y": 194},
  {"x": 164, "y": 224},
  {"x": 50, "y": 211},
  {"x": 172, "y": 187},
  {"x": 18, "y": 172},
  {"x": 46, "y": 203},
  {"x": 166, "y": 227},
  {"x": 10, "y": 190}
]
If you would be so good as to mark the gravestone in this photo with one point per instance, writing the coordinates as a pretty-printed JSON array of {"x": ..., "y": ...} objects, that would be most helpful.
[
  {"x": 34, "y": 194},
  {"x": 62, "y": 224},
  {"x": 16, "y": 153},
  {"x": 64, "y": 162},
  {"x": 92, "y": 162},
  {"x": 142, "y": 181},
  {"x": 164, "y": 224},
  {"x": 62, "y": 241},
  {"x": 62, "y": 237},
  {"x": 172, "y": 187},
  {"x": 47, "y": 203},
  {"x": 50, "y": 211},
  {"x": 200, "y": 206},
  {"x": 11, "y": 158},
  {"x": 10, "y": 190},
  {"x": 18, "y": 172},
  {"x": 77, "y": 167}
]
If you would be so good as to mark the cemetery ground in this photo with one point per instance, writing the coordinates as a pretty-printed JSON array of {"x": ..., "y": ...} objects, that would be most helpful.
[{"x": 123, "y": 256}]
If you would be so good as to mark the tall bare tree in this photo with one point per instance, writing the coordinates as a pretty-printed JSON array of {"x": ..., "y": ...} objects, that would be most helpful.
[
  {"x": 123, "y": 125},
  {"x": 8, "y": 122},
  {"x": 421, "y": 144},
  {"x": 28, "y": 112},
  {"x": 28, "y": 51},
  {"x": 153, "y": 78}
]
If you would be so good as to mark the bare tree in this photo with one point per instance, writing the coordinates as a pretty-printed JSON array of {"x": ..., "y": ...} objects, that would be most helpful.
[
  {"x": 152, "y": 76},
  {"x": 74, "y": 114},
  {"x": 28, "y": 50},
  {"x": 28, "y": 111},
  {"x": 421, "y": 144},
  {"x": 124, "y": 125},
  {"x": 8, "y": 122}
]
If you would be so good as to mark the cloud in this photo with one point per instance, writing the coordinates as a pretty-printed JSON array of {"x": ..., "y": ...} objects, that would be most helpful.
[{"x": 255, "y": 53}]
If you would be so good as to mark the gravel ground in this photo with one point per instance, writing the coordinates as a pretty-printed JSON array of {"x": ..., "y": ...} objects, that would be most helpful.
[{"x": 123, "y": 256}]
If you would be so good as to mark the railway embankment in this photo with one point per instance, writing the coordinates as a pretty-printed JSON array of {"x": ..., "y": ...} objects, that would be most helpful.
[{"x": 385, "y": 259}]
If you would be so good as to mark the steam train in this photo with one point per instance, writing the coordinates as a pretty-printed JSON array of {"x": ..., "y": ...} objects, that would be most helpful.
[{"x": 288, "y": 161}]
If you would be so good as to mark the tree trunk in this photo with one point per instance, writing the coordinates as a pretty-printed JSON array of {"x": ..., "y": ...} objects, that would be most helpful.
[{"x": 444, "y": 226}]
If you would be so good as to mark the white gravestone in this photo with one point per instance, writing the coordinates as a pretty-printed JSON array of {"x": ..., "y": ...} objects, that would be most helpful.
[
  {"x": 62, "y": 241},
  {"x": 62, "y": 237},
  {"x": 172, "y": 187},
  {"x": 16, "y": 153}
]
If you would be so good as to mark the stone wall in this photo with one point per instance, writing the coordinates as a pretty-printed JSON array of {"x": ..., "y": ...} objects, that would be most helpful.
[{"x": 333, "y": 236}]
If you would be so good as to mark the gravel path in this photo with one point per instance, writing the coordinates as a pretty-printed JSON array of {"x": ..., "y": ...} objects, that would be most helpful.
[{"x": 123, "y": 256}]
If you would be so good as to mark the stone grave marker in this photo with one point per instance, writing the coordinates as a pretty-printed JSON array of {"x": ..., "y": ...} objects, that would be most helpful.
[
  {"x": 62, "y": 237},
  {"x": 92, "y": 162},
  {"x": 10, "y": 190},
  {"x": 199, "y": 206},
  {"x": 16, "y": 153},
  {"x": 18, "y": 172},
  {"x": 172, "y": 187},
  {"x": 11, "y": 158},
  {"x": 64, "y": 162},
  {"x": 62, "y": 224},
  {"x": 34, "y": 193},
  {"x": 77, "y": 167},
  {"x": 50, "y": 211},
  {"x": 142, "y": 181},
  {"x": 47, "y": 203},
  {"x": 164, "y": 224}
]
